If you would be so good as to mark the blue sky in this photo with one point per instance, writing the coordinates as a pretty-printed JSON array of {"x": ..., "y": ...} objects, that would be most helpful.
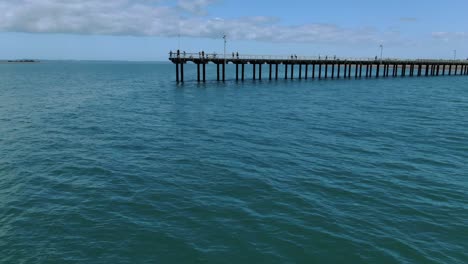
[{"x": 147, "y": 29}]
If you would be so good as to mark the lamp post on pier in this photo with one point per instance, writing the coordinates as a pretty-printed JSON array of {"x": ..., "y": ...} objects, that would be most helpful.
[
  {"x": 224, "y": 58},
  {"x": 381, "y": 53},
  {"x": 225, "y": 42}
]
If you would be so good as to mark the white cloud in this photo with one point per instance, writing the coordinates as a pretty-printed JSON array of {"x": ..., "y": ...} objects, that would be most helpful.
[
  {"x": 195, "y": 6},
  {"x": 160, "y": 18},
  {"x": 446, "y": 36},
  {"x": 408, "y": 19}
]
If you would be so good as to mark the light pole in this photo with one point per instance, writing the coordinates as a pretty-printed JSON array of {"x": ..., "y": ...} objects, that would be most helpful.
[
  {"x": 225, "y": 42},
  {"x": 178, "y": 41},
  {"x": 381, "y": 53},
  {"x": 178, "y": 33}
]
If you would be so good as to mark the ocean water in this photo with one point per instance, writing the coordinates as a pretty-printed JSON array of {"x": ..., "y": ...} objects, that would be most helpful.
[{"x": 115, "y": 163}]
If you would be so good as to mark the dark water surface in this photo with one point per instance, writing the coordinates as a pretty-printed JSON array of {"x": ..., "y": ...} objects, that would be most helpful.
[{"x": 115, "y": 163}]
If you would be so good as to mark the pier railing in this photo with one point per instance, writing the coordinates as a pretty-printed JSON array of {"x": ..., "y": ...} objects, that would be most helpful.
[
  {"x": 235, "y": 56},
  {"x": 260, "y": 57}
]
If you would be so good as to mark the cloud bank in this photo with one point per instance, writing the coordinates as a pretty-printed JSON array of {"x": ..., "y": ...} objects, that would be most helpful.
[
  {"x": 442, "y": 35},
  {"x": 162, "y": 18}
]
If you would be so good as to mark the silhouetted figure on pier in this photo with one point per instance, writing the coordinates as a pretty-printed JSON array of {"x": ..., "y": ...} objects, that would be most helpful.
[
  {"x": 178, "y": 53},
  {"x": 170, "y": 54},
  {"x": 237, "y": 54}
]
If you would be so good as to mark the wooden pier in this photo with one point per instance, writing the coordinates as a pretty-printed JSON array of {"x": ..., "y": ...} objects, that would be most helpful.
[{"x": 315, "y": 67}]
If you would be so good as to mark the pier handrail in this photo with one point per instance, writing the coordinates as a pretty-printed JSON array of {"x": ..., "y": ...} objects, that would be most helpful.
[
  {"x": 292, "y": 58},
  {"x": 261, "y": 57}
]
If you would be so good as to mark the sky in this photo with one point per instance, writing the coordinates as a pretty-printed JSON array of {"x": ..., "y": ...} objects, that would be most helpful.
[{"x": 146, "y": 30}]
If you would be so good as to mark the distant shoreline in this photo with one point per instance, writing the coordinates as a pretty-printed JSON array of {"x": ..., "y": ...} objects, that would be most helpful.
[
  {"x": 18, "y": 61},
  {"x": 2, "y": 61}
]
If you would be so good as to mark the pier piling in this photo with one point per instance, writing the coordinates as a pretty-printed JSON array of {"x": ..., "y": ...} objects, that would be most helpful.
[
  {"x": 300, "y": 71},
  {"x": 292, "y": 71},
  {"x": 182, "y": 72},
  {"x": 271, "y": 66},
  {"x": 254, "y": 74},
  {"x": 243, "y": 71},
  {"x": 224, "y": 72},
  {"x": 204, "y": 72},
  {"x": 260, "y": 71},
  {"x": 276, "y": 76}
]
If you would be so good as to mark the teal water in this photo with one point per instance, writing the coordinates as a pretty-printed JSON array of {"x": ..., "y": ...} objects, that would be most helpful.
[{"x": 115, "y": 163}]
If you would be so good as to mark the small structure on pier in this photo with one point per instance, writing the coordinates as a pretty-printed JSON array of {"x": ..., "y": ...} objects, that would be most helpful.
[{"x": 315, "y": 67}]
